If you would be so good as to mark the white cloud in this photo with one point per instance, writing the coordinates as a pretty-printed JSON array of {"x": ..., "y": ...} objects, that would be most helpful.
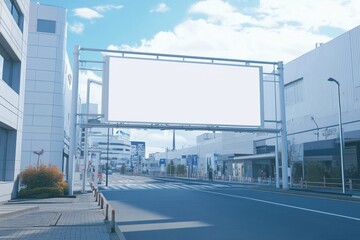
[
  {"x": 108, "y": 7},
  {"x": 161, "y": 8},
  {"x": 276, "y": 30},
  {"x": 87, "y": 13},
  {"x": 77, "y": 27}
]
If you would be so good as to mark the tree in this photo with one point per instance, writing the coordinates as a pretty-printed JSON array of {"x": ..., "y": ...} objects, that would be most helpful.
[
  {"x": 181, "y": 170},
  {"x": 170, "y": 168}
]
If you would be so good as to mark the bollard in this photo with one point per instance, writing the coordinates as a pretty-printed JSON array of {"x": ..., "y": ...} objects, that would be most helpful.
[
  {"x": 112, "y": 221},
  {"x": 96, "y": 195},
  {"x": 107, "y": 212},
  {"x": 94, "y": 192},
  {"x": 102, "y": 202},
  {"x": 99, "y": 200}
]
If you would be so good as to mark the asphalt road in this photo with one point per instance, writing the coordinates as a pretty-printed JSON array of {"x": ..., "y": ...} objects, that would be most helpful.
[{"x": 153, "y": 209}]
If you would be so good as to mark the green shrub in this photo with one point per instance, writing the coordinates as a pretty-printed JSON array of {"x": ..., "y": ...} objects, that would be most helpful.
[
  {"x": 41, "y": 192},
  {"x": 42, "y": 176}
]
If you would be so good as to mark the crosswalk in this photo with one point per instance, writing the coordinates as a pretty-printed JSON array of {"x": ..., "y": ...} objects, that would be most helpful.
[{"x": 131, "y": 184}]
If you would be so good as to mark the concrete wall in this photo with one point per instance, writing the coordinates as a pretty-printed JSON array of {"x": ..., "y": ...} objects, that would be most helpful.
[
  {"x": 48, "y": 84},
  {"x": 14, "y": 40}
]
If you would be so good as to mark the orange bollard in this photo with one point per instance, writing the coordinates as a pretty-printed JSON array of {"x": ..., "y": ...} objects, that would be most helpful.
[
  {"x": 107, "y": 212},
  {"x": 113, "y": 221}
]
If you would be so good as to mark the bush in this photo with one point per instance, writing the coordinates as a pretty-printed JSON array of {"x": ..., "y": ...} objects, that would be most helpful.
[
  {"x": 41, "y": 192},
  {"x": 65, "y": 187},
  {"x": 41, "y": 176}
]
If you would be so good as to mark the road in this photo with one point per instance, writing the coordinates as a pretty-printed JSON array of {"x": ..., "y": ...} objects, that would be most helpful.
[{"x": 155, "y": 209}]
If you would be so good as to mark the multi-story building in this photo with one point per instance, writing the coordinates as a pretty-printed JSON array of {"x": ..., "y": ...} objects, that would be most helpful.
[
  {"x": 14, "y": 17},
  {"x": 113, "y": 144},
  {"x": 312, "y": 118},
  {"x": 48, "y": 89}
]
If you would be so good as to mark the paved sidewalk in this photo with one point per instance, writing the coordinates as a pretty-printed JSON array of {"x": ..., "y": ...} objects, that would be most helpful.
[{"x": 54, "y": 218}]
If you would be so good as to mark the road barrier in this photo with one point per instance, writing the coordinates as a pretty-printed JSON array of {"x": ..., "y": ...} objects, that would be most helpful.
[
  {"x": 112, "y": 229},
  {"x": 107, "y": 212},
  {"x": 101, "y": 201}
]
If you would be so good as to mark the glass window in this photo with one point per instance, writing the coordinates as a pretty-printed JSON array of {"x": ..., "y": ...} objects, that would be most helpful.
[
  {"x": 3, "y": 147},
  {"x": 10, "y": 70},
  {"x": 8, "y": 4},
  {"x": 47, "y": 26},
  {"x": 15, "y": 12}
]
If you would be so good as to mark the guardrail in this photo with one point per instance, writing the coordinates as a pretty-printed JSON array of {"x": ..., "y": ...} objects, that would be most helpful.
[{"x": 331, "y": 183}]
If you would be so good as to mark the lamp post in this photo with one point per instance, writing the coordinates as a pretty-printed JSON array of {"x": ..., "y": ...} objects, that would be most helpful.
[
  {"x": 317, "y": 127},
  {"x": 341, "y": 135}
]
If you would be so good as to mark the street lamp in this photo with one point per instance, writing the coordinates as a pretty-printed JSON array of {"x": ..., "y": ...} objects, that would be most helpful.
[
  {"x": 341, "y": 136},
  {"x": 317, "y": 127},
  {"x": 38, "y": 153}
]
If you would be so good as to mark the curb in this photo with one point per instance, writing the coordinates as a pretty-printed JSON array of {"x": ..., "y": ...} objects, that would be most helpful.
[
  {"x": 19, "y": 212},
  {"x": 113, "y": 228}
]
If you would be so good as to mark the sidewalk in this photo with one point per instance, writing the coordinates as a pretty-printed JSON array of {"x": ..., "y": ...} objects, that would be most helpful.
[{"x": 54, "y": 218}]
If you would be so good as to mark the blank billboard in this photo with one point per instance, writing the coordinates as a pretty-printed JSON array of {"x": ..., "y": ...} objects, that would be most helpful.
[{"x": 158, "y": 91}]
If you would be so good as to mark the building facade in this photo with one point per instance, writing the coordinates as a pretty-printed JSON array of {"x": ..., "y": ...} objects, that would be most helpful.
[
  {"x": 312, "y": 103},
  {"x": 48, "y": 89},
  {"x": 14, "y": 17},
  {"x": 312, "y": 119}
]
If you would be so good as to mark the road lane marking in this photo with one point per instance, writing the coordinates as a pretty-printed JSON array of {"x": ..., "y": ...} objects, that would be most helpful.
[
  {"x": 161, "y": 226},
  {"x": 283, "y": 205}
]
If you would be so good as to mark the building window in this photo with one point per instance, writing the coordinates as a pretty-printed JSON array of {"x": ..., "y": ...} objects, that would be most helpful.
[
  {"x": 15, "y": 12},
  {"x": 3, "y": 147},
  {"x": 10, "y": 70},
  {"x": 46, "y": 26},
  {"x": 294, "y": 92}
]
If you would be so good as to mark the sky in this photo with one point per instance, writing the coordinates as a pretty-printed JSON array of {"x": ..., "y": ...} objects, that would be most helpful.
[{"x": 269, "y": 30}]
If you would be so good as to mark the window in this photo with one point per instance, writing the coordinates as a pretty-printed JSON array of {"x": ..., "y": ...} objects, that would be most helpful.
[
  {"x": 15, "y": 12},
  {"x": 3, "y": 147},
  {"x": 294, "y": 92},
  {"x": 10, "y": 70},
  {"x": 46, "y": 26}
]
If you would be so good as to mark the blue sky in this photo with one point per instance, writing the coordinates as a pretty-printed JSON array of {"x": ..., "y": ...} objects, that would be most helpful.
[
  {"x": 231, "y": 28},
  {"x": 271, "y": 30}
]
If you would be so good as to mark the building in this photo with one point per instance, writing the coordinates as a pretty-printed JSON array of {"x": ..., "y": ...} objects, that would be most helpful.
[
  {"x": 312, "y": 103},
  {"x": 14, "y": 17},
  {"x": 47, "y": 90},
  {"x": 113, "y": 145},
  {"x": 312, "y": 120}
]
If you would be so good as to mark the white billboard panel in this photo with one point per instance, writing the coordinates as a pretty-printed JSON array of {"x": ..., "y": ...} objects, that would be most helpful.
[{"x": 144, "y": 90}]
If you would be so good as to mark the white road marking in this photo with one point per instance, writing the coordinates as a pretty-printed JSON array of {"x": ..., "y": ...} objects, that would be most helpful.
[
  {"x": 161, "y": 226},
  {"x": 283, "y": 205}
]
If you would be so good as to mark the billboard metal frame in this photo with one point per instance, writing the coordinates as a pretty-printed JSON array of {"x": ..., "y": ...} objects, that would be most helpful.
[{"x": 99, "y": 66}]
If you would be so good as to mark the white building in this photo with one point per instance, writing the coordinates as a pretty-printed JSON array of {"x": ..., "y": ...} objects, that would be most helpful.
[
  {"x": 14, "y": 17},
  {"x": 48, "y": 89},
  {"x": 116, "y": 148},
  {"x": 312, "y": 101},
  {"x": 311, "y": 113}
]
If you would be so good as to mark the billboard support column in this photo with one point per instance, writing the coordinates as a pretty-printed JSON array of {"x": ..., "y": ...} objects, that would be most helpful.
[
  {"x": 73, "y": 118},
  {"x": 284, "y": 151}
]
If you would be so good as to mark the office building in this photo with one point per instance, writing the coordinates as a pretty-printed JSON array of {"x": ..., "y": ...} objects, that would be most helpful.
[
  {"x": 47, "y": 90},
  {"x": 14, "y": 17}
]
